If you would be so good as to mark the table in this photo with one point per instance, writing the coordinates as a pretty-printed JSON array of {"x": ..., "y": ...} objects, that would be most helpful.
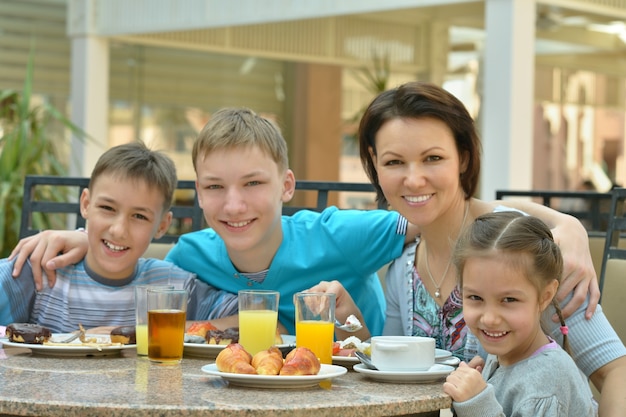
[{"x": 127, "y": 385}]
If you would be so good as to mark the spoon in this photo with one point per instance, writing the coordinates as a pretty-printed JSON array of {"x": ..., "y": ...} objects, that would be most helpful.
[
  {"x": 352, "y": 324},
  {"x": 365, "y": 360}
]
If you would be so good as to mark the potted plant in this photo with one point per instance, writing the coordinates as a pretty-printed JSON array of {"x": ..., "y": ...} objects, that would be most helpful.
[{"x": 30, "y": 143}]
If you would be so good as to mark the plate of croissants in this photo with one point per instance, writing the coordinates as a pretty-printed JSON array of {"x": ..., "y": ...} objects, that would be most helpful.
[{"x": 268, "y": 369}]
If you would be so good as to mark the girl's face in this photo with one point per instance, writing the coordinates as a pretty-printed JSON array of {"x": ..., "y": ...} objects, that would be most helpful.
[
  {"x": 241, "y": 192},
  {"x": 502, "y": 307},
  {"x": 419, "y": 168}
]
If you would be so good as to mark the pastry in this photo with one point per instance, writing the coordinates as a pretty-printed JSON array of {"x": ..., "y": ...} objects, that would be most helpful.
[
  {"x": 200, "y": 328},
  {"x": 223, "y": 337},
  {"x": 27, "y": 333},
  {"x": 268, "y": 362},
  {"x": 300, "y": 361},
  {"x": 124, "y": 335},
  {"x": 234, "y": 359}
]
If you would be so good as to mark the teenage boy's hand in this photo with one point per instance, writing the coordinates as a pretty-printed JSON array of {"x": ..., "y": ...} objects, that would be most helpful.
[
  {"x": 44, "y": 248},
  {"x": 344, "y": 306}
]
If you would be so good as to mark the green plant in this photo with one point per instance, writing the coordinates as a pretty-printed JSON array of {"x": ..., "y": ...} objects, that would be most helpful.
[
  {"x": 374, "y": 79},
  {"x": 30, "y": 144}
]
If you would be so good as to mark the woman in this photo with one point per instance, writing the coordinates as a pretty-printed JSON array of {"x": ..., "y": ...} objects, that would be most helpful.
[{"x": 420, "y": 149}]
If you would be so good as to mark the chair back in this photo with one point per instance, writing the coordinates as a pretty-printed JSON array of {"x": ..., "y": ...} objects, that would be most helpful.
[
  {"x": 614, "y": 246},
  {"x": 614, "y": 296}
]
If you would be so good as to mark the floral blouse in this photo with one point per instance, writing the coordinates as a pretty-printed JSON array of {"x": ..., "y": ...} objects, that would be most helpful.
[
  {"x": 445, "y": 324},
  {"x": 411, "y": 310}
]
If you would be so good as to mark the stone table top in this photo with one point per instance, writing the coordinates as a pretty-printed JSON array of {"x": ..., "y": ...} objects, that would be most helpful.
[{"x": 126, "y": 385}]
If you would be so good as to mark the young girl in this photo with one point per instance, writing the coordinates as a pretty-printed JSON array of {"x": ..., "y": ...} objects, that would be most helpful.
[{"x": 509, "y": 270}]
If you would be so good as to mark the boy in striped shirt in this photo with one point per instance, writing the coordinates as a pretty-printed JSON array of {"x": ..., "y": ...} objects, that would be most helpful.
[{"x": 126, "y": 206}]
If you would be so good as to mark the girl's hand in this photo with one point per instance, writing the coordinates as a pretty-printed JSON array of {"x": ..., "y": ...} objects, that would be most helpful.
[
  {"x": 464, "y": 383},
  {"x": 477, "y": 363}
]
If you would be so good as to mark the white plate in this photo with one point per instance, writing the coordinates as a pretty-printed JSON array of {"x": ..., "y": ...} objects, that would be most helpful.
[
  {"x": 442, "y": 354},
  {"x": 451, "y": 361},
  {"x": 435, "y": 373},
  {"x": 345, "y": 360},
  {"x": 204, "y": 350},
  {"x": 277, "y": 381},
  {"x": 75, "y": 348}
]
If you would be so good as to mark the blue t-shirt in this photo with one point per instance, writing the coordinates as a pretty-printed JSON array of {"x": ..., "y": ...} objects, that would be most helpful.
[{"x": 345, "y": 245}]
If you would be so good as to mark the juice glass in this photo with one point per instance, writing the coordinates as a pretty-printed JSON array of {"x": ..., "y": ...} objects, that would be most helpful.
[
  {"x": 167, "y": 310},
  {"x": 315, "y": 323},
  {"x": 141, "y": 315},
  {"x": 258, "y": 316}
]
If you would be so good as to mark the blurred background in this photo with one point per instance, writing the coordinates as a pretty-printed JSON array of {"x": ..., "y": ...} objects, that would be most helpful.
[{"x": 545, "y": 80}]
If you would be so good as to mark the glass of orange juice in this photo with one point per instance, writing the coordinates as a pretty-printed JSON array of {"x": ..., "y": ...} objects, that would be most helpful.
[
  {"x": 141, "y": 315},
  {"x": 167, "y": 310},
  {"x": 258, "y": 317},
  {"x": 315, "y": 323}
]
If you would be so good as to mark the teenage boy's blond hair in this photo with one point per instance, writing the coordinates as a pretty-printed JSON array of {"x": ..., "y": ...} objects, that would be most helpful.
[
  {"x": 240, "y": 127},
  {"x": 135, "y": 161}
]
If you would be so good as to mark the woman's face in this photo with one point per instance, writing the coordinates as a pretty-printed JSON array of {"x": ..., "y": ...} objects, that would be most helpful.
[{"x": 418, "y": 168}]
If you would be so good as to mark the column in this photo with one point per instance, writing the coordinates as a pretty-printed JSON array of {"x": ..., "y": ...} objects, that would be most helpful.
[
  {"x": 507, "y": 106},
  {"x": 89, "y": 87}
]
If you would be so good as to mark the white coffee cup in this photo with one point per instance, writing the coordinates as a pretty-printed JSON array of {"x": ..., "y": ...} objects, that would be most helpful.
[{"x": 403, "y": 353}]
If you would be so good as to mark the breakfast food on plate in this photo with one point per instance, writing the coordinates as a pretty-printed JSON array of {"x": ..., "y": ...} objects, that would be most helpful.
[
  {"x": 268, "y": 362},
  {"x": 348, "y": 346},
  {"x": 301, "y": 361},
  {"x": 205, "y": 332},
  {"x": 124, "y": 335},
  {"x": 234, "y": 359},
  {"x": 223, "y": 337},
  {"x": 27, "y": 333},
  {"x": 200, "y": 328}
]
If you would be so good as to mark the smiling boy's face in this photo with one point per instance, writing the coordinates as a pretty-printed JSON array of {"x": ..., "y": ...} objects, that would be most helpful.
[
  {"x": 241, "y": 192},
  {"x": 123, "y": 215}
]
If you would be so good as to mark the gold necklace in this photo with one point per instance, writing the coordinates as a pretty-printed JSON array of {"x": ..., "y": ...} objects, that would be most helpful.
[{"x": 445, "y": 272}]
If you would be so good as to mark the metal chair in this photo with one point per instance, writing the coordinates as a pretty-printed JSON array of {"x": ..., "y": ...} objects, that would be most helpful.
[
  {"x": 614, "y": 247},
  {"x": 613, "y": 273}
]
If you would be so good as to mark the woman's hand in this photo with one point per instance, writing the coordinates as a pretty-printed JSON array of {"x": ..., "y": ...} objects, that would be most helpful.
[
  {"x": 44, "y": 248},
  {"x": 579, "y": 275},
  {"x": 344, "y": 306}
]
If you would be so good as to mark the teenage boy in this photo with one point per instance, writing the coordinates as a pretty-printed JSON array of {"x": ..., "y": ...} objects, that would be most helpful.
[{"x": 126, "y": 205}]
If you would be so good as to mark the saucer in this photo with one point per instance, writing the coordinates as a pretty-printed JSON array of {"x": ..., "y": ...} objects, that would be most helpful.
[
  {"x": 435, "y": 373},
  {"x": 442, "y": 354}
]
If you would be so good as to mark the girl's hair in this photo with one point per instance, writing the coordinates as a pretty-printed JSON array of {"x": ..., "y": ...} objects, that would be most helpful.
[
  {"x": 420, "y": 100},
  {"x": 231, "y": 128},
  {"x": 524, "y": 241}
]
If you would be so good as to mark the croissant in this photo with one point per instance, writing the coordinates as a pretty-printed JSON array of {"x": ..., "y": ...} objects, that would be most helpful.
[
  {"x": 301, "y": 361},
  {"x": 268, "y": 362},
  {"x": 234, "y": 359}
]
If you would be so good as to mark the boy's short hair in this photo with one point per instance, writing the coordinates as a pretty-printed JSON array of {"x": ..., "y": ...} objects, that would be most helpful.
[
  {"x": 135, "y": 161},
  {"x": 241, "y": 127}
]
